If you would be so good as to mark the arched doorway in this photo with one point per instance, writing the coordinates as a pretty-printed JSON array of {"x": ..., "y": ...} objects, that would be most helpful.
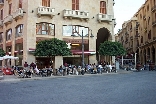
[
  {"x": 141, "y": 58},
  {"x": 153, "y": 54},
  {"x": 145, "y": 59},
  {"x": 102, "y": 35},
  {"x": 148, "y": 54}
]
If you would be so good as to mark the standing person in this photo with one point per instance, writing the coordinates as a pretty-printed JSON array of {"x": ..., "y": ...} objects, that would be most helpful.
[
  {"x": 36, "y": 70},
  {"x": 100, "y": 68},
  {"x": 33, "y": 65},
  {"x": 65, "y": 64},
  {"x": 61, "y": 70},
  {"x": 25, "y": 65},
  {"x": 110, "y": 66}
]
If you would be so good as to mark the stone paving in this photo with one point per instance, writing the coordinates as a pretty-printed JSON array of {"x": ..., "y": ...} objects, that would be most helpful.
[{"x": 115, "y": 88}]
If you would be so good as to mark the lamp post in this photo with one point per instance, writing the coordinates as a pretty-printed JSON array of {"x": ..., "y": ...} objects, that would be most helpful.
[
  {"x": 83, "y": 46},
  {"x": 82, "y": 52}
]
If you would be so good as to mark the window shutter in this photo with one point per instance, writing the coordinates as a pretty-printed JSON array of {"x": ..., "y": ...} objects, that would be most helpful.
[
  {"x": 20, "y": 3},
  {"x": 73, "y": 4},
  {"x": 10, "y": 8},
  {"x": 2, "y": 14},
  {"x": 103, "y": 7},
  {"x": 77, "y": 4}
]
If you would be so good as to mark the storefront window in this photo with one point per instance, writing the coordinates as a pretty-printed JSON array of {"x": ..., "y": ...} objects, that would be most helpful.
[
  {"x": 75, "y": 30},
  {"x": 8, "y": 34},
  {"x": 45, "y": 29},
  {"x": 19, "y": 30}
]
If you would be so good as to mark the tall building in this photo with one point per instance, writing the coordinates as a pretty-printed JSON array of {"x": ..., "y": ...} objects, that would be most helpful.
[
  {"x": 26, "y": 22},
  {"x": 138, "y": 35}
]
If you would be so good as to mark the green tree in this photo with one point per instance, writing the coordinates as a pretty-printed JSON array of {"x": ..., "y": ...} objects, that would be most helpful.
[
  {"x": 109, "y": 48},
  {"x": 52, "y": 47},
  {"x": 2, "y": 52}
]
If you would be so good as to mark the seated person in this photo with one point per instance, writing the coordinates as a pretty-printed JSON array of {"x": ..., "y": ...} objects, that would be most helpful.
[{"x": 36, "y": 70}]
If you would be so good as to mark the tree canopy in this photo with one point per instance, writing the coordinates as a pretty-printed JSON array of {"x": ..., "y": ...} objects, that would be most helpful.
[
  {"x": 2, "y": 52},
  {"x": 109, "y": 48},
  {"x": 52, "y": 47}
]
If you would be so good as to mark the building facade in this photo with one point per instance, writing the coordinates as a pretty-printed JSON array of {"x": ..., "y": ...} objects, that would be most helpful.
[
  {"x": 26, "y": 22},
  {"x": 138, "y": 35}
]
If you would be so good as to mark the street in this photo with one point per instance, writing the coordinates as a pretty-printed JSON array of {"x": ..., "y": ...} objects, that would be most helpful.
[{"x": 128, "y": 88}]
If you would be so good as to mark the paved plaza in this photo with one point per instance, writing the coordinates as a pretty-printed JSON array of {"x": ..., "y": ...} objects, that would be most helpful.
[{"x": 120, "y": 88}]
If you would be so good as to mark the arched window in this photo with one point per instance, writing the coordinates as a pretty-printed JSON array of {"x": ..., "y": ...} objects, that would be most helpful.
[
  {"x": 45, "y": 29},
  {"x": 141, "y": 39},
  {"x": 8, "y": 34},
  {"x": 19, "y": 29},
  {"x": 148, "y": 20},
  {"x": 1, "y": 37},
  {"x": 149, "y": 35}
]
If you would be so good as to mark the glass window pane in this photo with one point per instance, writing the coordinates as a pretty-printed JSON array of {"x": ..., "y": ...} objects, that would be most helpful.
[
  {"x": 38, "y": 29},
  {"x": 51, "y": 29},
  {"x": 67, "y": 30},
  {"x": 85, "y": 31},
  {"x": 44, "y": 32}
]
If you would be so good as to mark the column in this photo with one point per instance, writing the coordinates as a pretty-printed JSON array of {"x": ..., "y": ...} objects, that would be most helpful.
[{"x": 57, "y": 63}]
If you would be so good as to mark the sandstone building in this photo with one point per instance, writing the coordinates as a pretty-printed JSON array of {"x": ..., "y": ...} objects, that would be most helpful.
[
  {"x": 138, "y": 35},
  {"x": 25, "y": 22}
]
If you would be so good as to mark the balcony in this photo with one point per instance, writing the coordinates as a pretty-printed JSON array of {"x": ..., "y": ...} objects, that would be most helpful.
[
  {"x": 18, "y": 14},
  {"x": 153, "y": 8},
  {"x": 145, "y": 29},
  {"x": 113, "y": 2},
  {"x": 136, "y": 28},
  {"x": 144, "y": 17},
  {"x": 104, "y": 17},
  {"x": 76, "y": 14},
  {"x": 146, "y": 42},
  {"x": 1, "y": 23},
  {"x": 131, "y": 37},
  {"x": 154, "y": 23},
  {"x": 45, "y": 11},
  {"x": 154, "y": 38},
  {"x": 137, "y": 24},
  {"x": 8, "y": 19},
  {"x": 1, "y": 3},
  {"x": 137, "y": 35}
]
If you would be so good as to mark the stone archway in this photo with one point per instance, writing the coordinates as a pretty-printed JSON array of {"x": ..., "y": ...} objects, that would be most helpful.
[
  {"x": 153, "y": 54},
  {"x": 145, "y": 59},
  {"x": 141, "y": 58},
  {"x": 148, "y": 54},
  {"x": 102, "y": 35}
]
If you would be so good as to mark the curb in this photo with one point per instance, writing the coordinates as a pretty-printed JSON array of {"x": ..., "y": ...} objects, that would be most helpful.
[{"x": 14, "y": 78}]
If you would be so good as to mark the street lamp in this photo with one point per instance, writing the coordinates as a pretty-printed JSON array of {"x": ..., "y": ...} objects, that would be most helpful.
[{"x": 83, "y": 46}]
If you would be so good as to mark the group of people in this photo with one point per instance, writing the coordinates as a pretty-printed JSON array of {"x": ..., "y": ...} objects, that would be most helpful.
[
  {"x": 68, "y": 69},
  {"x": 28, "y": 70},
  {"x": 31, "y": 69}
]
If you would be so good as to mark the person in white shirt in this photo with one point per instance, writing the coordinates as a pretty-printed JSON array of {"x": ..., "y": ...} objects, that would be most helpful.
[{"x": 36, "y": 70}]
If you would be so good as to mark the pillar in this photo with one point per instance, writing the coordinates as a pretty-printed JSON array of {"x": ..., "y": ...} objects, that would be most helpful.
[{"x": 92, "y": 59}]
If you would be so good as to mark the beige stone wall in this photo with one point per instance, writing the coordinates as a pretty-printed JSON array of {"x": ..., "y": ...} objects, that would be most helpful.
[{"x": 30, "y": 19}]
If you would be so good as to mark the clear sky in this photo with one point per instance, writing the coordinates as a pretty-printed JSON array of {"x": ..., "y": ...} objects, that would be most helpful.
[{"x": 124, "y": 10}]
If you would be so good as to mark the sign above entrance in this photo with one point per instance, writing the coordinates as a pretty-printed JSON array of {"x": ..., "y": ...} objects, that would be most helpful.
[{"x": 85, "y": 41}]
